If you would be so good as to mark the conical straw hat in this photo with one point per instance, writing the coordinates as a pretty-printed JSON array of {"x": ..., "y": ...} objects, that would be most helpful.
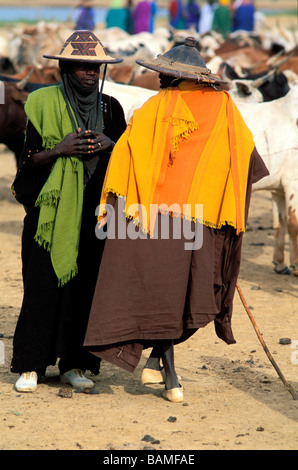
[{"x": 84, "y": 46}]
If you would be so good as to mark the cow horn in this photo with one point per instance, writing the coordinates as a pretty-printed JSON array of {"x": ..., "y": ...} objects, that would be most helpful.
[
  {"x": 283, "y": 60},
  {"x": 272, "y": 59},
  {"x": 22, "y": 83},
  {"x": 261, "y": 80},
  {"x": 238, "y": 70},
  {"x": 224, "y": 74}
]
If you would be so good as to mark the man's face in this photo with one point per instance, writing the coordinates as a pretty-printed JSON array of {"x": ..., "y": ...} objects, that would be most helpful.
[{"x": 87, "y": 73}]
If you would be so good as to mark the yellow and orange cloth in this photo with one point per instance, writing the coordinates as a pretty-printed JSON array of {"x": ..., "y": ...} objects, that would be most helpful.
[{"x": 185, "y": 146}]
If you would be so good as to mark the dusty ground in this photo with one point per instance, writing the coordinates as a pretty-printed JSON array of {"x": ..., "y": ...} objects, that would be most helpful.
[{"x": 234, "y": 399}]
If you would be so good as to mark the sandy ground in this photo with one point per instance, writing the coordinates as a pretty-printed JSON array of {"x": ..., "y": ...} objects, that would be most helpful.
[{"x": 234, "y": 399}]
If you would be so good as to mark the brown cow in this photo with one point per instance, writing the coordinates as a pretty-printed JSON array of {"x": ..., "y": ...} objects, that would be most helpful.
[
  {"x": 13, "y": 118},
  {"x": 125, "y": 74},
  {"x": 291, "y": 64},
  {"x": 121, "y": 74},
  {"x": 45, "y": 75},
  {"x": 148, "y": 80}
]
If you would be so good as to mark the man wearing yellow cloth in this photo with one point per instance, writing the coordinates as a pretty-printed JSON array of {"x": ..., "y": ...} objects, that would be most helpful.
[{"x": 186, "y": 158}]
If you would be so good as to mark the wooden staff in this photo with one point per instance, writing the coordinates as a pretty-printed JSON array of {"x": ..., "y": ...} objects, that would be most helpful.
[{"x": 281, "y": 376}]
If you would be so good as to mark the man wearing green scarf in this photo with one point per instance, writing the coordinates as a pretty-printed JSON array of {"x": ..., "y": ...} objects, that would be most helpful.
[{"x": 71, "y": 131}]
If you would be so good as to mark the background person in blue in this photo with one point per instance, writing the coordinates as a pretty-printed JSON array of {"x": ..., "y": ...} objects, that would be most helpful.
[
  {"x": 243, "y": 16},
  {"x": 192, "y": 14},
  {"x": 85, "y": 16},
  {"x": 154, "y": 9}
]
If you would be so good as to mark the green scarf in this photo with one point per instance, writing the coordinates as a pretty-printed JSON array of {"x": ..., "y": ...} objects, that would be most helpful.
[
  {"x": 61, "y": 198},
  {"x": 85, "y": 102}
]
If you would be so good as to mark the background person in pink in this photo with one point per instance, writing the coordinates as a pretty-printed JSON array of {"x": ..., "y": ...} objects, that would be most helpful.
[{"x": 142, "y": 16}]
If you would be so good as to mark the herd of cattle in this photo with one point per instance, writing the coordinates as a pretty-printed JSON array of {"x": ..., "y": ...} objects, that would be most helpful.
[{"x": 260, "y": 68}]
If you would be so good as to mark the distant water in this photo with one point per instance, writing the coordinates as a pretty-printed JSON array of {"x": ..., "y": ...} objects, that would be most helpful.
[
  {"x": 25, "y": 13},
  {"x": 51, "y": 14},
  {"x": 43, "y": 13}
]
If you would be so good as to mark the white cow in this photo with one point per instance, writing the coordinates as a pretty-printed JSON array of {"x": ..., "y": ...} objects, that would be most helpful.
[
  {"x": 274, "y": 126},
  {"x": 247, "y": 91},
  {"x": 143, "y": 45},
  {"x": 244, "y": 91},
  {"x": 130, "y": 97}
]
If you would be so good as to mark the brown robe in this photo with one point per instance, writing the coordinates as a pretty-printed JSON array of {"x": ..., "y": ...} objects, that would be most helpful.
[{"x": 154, "y": 289}]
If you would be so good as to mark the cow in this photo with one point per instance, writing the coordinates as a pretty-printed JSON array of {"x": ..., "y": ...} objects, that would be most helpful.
[
  {"x": 127, "y": 75},
  {"x": 6, "y": 66},
  {"x": 39, "y": 76},
  {"x": 244, "y": 91},
  {"x": 44, "y": 75},
  {"x": 28, "y": 44},
  {"x": 245, "y": 57},
  {"x": 13, "y": 118},
  {"x": 143, "y": 43},
  {"x": 271, "y": 84},
  {"x": 274, "y": 125},
  {"x": 291, "y": 64},
  {"x": 12, "y": 113},
  {"x": 130, "y": 97}
]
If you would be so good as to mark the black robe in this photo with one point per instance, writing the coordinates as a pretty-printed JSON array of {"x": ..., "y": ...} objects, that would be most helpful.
[{"x": 53, "y": 320}]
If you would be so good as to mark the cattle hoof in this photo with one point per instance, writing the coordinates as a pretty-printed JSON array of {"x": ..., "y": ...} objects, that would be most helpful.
[{"x": 285, "y": 270}]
